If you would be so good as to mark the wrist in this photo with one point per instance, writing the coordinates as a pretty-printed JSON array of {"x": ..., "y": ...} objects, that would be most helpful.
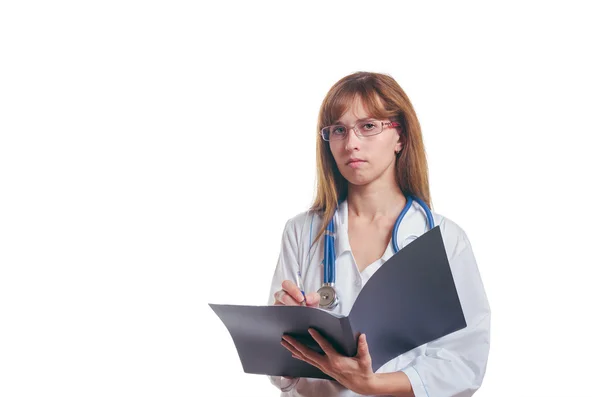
[
  {"x": 375, "y": 385},
  {"x": 392, "y": 383}
]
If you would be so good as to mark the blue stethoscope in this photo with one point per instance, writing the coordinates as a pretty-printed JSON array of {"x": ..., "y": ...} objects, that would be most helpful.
[{"x": 329, "y": 298}]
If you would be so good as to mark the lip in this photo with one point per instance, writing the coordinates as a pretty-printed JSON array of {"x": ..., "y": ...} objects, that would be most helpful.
[{"x": 354, "y": 161}]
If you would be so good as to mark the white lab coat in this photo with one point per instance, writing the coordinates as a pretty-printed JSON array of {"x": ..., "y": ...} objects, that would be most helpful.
[{"x": 451, "y": 366}]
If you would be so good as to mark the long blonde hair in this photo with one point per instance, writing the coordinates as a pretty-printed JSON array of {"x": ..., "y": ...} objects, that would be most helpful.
[{"x": 375, "y": 90}]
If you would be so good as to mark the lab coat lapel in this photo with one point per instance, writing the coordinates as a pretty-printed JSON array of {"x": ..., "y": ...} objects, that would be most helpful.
[{"x": 342, "y": 241}]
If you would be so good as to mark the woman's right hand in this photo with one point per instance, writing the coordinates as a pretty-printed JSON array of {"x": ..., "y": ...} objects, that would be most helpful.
[{"x": 290, "y": 295}]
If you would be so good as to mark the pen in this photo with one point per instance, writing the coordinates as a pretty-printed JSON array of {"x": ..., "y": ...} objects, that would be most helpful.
[{"x": 299, "y": 284}]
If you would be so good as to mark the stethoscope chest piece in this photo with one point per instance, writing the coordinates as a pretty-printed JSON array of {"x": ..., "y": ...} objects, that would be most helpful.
[{"x": 329, "y": 299}]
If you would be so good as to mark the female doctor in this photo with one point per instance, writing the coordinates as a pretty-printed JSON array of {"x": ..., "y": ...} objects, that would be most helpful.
[{"x": 372, "y": 199}]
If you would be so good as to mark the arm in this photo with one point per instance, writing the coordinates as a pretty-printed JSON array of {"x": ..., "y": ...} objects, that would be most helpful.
[
  {"x": 287, "y": 265},
  {"x": 441, "y": 371},
  {"x": 454, "y": 365},
  {"x": 392, "y": 384}
]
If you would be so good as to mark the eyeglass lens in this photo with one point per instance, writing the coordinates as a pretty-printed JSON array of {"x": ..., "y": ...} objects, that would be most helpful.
[{"x": 364, "y": 128}]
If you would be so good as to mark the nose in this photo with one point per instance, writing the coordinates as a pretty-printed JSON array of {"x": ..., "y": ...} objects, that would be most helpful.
[{"x": 352, "y": 139}]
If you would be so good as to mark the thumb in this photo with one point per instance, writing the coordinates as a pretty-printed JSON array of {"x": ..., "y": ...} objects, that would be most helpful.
[
  {"x": 313, "y": 299},
  {"x": 363, "y": 349}
]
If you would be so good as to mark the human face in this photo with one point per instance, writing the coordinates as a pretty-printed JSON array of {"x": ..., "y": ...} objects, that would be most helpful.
[{"x": 362, "y": 160}]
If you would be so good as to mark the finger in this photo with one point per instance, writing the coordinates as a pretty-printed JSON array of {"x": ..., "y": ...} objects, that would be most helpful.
[
  {"x": 363, "y": 347},
  {"x": 325, "y": 345},
  {"x": 292, "y": 289},
  {"x": 298, "y": 355},
  {"x": 308, "y": 354},
  {"x": 313, "y": 299},
  {"x": 363, "y": 351},
  {"x": 283, "y": 298},
  {"x": 309, "y": 361},
  {"x": 277, "y": 297},
  {"x": 290, "y": 348}
]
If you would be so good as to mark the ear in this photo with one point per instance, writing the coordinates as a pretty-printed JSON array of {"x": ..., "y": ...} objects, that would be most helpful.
[
  {"x": 398, "y": 148},
  {"x": 399, "y": 145}
]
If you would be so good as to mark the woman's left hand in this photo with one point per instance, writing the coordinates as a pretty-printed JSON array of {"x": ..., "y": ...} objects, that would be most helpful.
[{"x": 354, "y": 373}]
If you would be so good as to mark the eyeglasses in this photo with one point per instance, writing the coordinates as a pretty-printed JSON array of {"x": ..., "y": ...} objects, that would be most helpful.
[{"x": 361, "y": 129}]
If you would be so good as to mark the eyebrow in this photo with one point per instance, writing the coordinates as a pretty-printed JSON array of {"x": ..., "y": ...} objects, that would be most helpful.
[{"x": 358, "y": 120}]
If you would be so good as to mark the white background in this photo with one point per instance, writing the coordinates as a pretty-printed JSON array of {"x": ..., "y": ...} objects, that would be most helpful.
[{"x": 151, "y": 153}]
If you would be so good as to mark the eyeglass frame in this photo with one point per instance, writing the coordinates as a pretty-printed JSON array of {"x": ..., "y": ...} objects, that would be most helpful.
[{"x": 384, "y": 125}]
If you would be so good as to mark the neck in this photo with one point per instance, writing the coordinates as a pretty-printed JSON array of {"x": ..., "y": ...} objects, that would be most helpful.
[{"x": 374, "y": 201}]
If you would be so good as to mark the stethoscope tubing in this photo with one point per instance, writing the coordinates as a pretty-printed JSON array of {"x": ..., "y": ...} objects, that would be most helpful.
[{"x": 329, "y": 256}]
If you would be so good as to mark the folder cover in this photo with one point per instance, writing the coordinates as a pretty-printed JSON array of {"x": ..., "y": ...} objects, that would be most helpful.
[{"x": 409, "y": 301}]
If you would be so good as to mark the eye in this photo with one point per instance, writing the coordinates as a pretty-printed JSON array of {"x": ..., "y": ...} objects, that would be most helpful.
[
  {"x": 338, "y": 130},
  {"x": 368, "y": 126}
]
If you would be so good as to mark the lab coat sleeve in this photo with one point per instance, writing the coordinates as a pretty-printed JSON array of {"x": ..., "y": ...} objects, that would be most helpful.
[
  {"x": 287, "y": 265},
  {"x": 454, "y": 365}
]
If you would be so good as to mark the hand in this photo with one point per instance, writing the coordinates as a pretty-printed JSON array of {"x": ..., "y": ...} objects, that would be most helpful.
[
  {"x": 290, "y": 295},
  {"x": 354, "y": 373}
]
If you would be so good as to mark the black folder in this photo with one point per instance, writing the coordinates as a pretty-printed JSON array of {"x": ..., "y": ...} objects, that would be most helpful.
[{"x": 409, "y": 301}]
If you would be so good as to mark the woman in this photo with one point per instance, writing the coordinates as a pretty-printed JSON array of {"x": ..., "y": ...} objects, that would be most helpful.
[{"x": 370, "y": 159}]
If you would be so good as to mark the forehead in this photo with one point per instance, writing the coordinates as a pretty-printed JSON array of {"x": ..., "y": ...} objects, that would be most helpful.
[{"x": 356, "y": 110}]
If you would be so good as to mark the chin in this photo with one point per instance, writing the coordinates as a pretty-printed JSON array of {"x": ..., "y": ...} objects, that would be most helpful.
[{"x": 358, "y": 180}]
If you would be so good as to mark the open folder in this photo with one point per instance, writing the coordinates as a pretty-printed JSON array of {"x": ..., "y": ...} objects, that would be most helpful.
[{"x": 409, "y": 301}]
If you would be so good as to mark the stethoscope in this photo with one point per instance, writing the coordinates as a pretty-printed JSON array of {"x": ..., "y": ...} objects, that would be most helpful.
[{"x": 329, "y": 297}]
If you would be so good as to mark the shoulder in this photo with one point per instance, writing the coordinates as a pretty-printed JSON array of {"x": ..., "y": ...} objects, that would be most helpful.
[
  {"x": 306, "y": 220},
  {"x": 465, "y": 271},
  {"x": 454, "y": 236}
]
